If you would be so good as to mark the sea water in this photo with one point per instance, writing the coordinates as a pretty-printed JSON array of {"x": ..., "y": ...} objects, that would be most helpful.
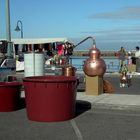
[{"x": 112, "y": 63}]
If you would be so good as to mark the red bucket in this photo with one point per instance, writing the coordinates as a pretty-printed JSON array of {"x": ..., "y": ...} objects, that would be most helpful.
[
  {"x": 50, "y": 98},
  {"x": 9, "y": 96}
]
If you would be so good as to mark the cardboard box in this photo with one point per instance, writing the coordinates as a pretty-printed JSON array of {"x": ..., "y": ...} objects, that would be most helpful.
[{"x": 94, "y": 85}]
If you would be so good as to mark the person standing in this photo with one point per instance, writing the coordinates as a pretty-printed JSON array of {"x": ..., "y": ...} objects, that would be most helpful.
[
  {"x": 136, "y": 55},
  {"x": 121, "y": 56}
]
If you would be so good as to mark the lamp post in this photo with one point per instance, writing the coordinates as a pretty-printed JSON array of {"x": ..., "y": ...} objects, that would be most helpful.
[
  {"x": 19, "y": 28},
  {"x": 8, "y": 29}
]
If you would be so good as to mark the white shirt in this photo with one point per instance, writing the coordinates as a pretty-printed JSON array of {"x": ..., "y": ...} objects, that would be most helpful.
[{"x": 137, "y": 53}]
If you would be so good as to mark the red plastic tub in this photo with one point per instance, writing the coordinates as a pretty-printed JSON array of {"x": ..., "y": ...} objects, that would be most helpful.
[
  {"x": 50, "y": 98},
  {"x": 9, "y": 96}
]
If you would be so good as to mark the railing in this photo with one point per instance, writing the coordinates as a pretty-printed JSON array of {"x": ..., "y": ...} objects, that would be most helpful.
[{"x": 112, "y": 65}]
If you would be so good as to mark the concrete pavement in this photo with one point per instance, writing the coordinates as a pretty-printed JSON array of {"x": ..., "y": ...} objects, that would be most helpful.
[
  {"x": 112, "y": 101},
  {"x": 121, "y": 98},
  {"x": 95, "y": 118}
]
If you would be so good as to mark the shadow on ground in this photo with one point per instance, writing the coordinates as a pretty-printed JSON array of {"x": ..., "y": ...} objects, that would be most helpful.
[
  {"x": 82, "y": 106},
  {"x": 21, "y": 104}
]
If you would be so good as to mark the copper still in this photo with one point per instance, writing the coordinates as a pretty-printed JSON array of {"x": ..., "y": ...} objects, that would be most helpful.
[
  {"x": 124, "y": 80},
  {"x": 94, "y": 65},
  {"x": 68, "y": 70}
]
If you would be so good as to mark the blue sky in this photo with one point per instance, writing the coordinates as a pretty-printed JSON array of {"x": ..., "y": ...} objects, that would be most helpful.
[{"x": 114, "y": 23}]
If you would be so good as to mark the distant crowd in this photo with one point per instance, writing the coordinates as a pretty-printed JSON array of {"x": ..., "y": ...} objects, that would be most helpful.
[{"x": 132, "y": 57}]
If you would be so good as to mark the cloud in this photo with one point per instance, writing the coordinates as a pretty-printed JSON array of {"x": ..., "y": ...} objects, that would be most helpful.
[
  {"x": 121, "y": 30},
  {"x": 129, "y": 33},
  {"x": 124, "y": 13}
]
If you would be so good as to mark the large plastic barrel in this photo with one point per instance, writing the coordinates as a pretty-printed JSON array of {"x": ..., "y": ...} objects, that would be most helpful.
[
  {"x": 9, "y": 96},
  {"x": 50, "y": 98},
  {"x": 138, "y": 65},
  {"x": 34, "y": 64}
]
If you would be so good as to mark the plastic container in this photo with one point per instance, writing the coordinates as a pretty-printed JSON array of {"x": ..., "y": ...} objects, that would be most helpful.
[
  {"x": 34, "y": 64},
  {"x": 9, "y": 96},
  {"x": 50, "y": 98},
  {"x": 138, "y": 65}
]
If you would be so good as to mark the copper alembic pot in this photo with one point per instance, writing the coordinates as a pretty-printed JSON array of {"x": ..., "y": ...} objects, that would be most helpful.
[
  {"x": 68, "y": 70},
  {"x": 94, "y": 65},
  {"x": 124, "y": 79}
]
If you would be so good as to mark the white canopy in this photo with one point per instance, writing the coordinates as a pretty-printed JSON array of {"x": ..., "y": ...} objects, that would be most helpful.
[{"x": 37, "y": 40}]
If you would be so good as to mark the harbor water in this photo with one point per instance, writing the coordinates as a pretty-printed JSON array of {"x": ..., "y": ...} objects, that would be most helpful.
[{"x": 112, "y": 63}]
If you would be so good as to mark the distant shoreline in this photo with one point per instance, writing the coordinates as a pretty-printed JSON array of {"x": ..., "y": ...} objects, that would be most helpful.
[{"x": 103, "y": 53}]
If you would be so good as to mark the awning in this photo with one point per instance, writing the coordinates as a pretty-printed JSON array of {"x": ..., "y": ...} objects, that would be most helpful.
[{"x": 37, "y": 40}]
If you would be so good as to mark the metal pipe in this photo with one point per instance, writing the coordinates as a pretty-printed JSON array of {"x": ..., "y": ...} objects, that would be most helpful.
[{"x": 89, "y": 37}]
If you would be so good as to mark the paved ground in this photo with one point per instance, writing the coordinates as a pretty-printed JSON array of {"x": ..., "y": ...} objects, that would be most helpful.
[
  {"x": 121, "y": 98},
  {"x": 132, "y": 90},
  {"x": 90, "y": 125},
  {"x": 113, "y": 116}
]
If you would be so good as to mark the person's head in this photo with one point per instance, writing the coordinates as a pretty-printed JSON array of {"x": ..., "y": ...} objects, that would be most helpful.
[
  {"x": 137, "y": 48},
  {"x": 122, "y": 48}
]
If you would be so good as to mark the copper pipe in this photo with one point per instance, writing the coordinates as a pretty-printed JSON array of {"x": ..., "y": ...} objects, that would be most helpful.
[{"x": 89, "y": 37}]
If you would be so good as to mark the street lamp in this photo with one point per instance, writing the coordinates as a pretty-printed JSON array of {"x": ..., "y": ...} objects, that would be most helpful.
[
  {"x": 8, "y": 29},
  {"x": 19, "y": 28}
]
